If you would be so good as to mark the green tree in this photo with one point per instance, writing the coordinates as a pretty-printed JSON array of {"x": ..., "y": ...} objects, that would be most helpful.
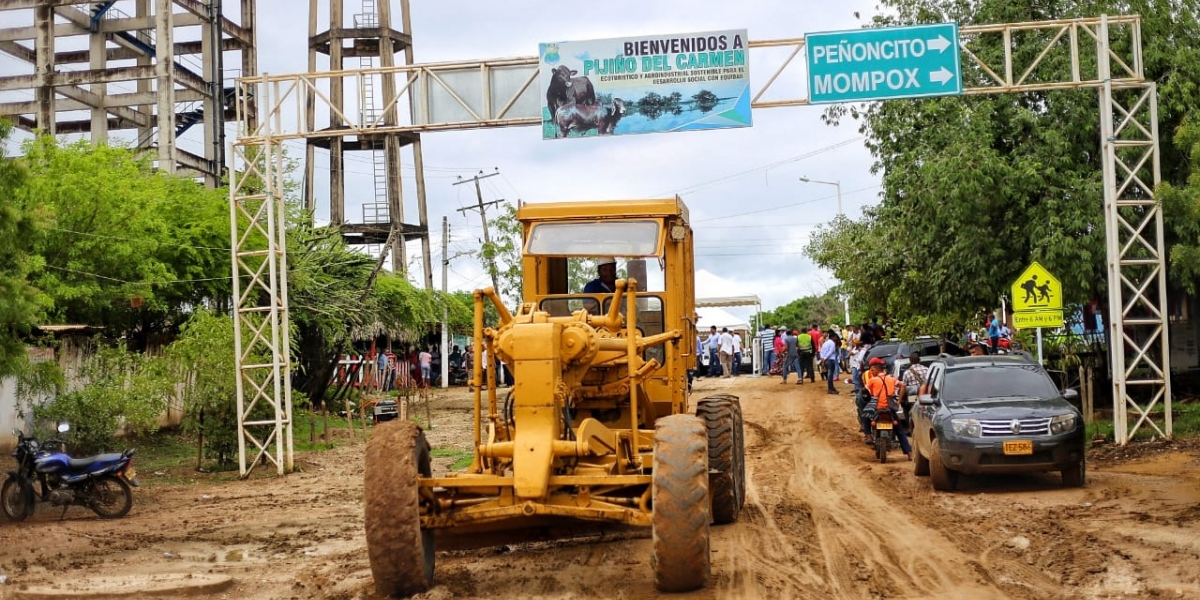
[
  {"x": 504, "y": 253},
  {"x": 1181, "y": 208},
  {"x": 125, "y": 248},
  {"x": 803, "y": 312},
  {"x": 202, "y": 362},
  {"x": 976, "y": 187},
  {"x": 21, "y": 304}
]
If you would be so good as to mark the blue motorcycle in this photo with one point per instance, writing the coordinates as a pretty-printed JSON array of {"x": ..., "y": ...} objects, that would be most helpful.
[{"x": 46, "y": 473}]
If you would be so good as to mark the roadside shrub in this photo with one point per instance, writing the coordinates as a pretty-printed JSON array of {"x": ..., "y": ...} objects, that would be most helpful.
[{"x": 121, "y": 392}]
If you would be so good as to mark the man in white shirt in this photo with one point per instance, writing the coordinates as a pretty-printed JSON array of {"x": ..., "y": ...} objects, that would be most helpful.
[{"x": 726, "y": 352}]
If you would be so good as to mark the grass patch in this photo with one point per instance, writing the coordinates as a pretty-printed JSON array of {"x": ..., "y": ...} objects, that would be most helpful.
[
  {"x": 1185, "y": 422},
  {"x": 462, "y": 458},
  {"x": 309, "y": 428},
  {"x": 164, "y": 452},
  {"x": 169, "y": 458}
]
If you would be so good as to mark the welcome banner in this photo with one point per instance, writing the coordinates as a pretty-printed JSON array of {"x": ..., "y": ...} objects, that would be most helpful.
[{"x": 646, "y": 84}]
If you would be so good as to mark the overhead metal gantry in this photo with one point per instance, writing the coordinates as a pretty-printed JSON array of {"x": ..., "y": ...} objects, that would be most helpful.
[{"x": 1101, "y": 53}]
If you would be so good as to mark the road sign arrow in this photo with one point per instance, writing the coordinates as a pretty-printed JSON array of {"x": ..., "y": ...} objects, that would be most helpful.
[
  {"x": 941, "y": 76},
  {"x": 939, "y": 43}
]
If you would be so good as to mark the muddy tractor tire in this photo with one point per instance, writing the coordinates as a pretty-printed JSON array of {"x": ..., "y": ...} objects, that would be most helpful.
[
  {"x": 722, "y": 416},
  {"x": 681, "y": 504},
  {"x": 401, "y": 553}
]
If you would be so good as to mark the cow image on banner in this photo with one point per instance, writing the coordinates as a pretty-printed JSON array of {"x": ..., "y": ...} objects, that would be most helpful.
[{"x": 646, "y": 84}]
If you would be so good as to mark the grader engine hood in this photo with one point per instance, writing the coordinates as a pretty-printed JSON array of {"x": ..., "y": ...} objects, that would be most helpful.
[{"x": 535, "y": 353}]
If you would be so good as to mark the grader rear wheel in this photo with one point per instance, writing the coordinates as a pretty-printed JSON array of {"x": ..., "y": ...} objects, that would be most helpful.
[
  {"x": 722, "y": 417},
  {"x": 681, "y": 504},
  {"x": 401, "y": 553}
]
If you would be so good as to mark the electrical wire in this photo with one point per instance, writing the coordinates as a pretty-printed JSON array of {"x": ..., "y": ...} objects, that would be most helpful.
[
  {"x": 98, "y": 276},
  {"x": 793, "y": 205},
  {"x": 124, "y": 239},
  {"x": 766, "y": 167}
]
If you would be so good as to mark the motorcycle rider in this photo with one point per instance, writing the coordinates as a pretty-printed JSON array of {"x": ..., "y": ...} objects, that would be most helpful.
[{"x": 883, "y": 389}]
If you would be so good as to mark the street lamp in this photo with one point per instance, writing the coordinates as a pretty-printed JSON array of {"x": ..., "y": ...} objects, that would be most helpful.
[{"x": 838, "y": 185}]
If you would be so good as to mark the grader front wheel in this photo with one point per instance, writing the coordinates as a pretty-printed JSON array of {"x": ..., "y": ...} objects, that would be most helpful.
[
  {"x": 401, "y": 553},
  {"x": 681, "y": 504}
]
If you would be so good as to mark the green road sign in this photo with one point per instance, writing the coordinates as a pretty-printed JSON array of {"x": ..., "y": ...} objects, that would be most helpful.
[{"x": 878, "y": 64}]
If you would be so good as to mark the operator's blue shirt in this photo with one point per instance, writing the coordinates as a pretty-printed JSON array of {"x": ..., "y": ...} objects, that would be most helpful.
[{"x": 596, "y": 286}]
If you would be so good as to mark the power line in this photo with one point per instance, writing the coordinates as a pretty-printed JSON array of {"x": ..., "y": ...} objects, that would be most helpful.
[
  {"x": 123, "y": 239},
  {"x": 774, "y": 208},
  {"x": 98, "y": 276},
  {"x": 764, "y": 167}
]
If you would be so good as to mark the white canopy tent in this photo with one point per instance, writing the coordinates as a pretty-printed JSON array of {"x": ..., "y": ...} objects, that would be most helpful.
[{"x": 711, "y": 313}]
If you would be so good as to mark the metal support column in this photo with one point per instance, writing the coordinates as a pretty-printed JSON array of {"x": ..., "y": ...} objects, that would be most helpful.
[
  {"x": 1137, "y": 293},
  {"x": 260, "y": 316}
]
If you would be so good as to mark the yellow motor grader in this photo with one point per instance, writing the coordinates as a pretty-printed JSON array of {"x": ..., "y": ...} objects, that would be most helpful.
[{"x": 595, "y": 435}]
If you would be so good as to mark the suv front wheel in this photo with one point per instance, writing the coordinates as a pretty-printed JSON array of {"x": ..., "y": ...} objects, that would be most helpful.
[
  {"x": 943, "y": 479},
  {"x": 1076, "y": 475}
]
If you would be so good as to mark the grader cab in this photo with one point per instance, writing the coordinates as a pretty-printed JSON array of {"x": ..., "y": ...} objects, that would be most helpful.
[{"x": 595, "y": 435}]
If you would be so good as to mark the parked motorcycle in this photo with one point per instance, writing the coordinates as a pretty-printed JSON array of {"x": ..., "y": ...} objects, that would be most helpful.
[{"x": 46, "y": 473}]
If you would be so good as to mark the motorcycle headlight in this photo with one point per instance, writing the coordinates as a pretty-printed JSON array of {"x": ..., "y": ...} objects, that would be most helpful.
[
  {"x": 1062, "y": 424},
  {"x": 966, "y": 427}
]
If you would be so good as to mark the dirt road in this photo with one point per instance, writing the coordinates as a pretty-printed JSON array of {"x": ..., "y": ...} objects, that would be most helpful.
[{"x": 822, "y": 521}]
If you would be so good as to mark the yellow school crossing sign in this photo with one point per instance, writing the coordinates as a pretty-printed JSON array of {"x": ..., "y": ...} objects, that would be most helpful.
[{"x": 1037, "y": 299}]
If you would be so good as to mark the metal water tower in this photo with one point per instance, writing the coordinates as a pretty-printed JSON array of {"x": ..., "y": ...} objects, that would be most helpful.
[{"x": 360, "y": 37}]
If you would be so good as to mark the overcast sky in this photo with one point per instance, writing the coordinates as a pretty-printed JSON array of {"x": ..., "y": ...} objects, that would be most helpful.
[{"x": 751, "y": 214}]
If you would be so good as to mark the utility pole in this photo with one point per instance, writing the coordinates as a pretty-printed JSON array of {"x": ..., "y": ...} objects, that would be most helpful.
[
  {"x": 445, "y": 308},
  {"x": 482, "y": 208}
]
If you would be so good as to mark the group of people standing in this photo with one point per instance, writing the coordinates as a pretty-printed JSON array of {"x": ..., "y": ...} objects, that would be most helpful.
[
  {"x": 991, "y": 338},
  {"x": 724, "y": 351},
  {"x": 411, "y": 369},
  {"x": 805, "y": 352}
]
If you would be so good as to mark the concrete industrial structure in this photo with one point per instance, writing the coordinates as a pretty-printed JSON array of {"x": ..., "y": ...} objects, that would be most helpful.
[
  {"x": 155, "y": 67},
  {"x": 368, "y": 43}
]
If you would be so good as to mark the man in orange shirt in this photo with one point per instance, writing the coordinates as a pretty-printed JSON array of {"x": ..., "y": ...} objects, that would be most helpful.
[{"x": 882, "y": 388}]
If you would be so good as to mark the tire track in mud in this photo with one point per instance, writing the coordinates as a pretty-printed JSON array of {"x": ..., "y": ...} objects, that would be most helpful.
[{"x": 817, "y": 526}]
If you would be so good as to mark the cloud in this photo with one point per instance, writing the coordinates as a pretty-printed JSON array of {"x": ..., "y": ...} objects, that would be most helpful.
[{"x": 751, "y": 215}]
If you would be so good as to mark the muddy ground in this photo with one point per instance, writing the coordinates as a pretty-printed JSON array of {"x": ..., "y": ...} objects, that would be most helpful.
[{"x": 822, "y": 520}]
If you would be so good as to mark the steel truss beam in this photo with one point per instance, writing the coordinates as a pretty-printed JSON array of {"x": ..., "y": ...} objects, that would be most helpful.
[
  {"x": 260, "y": 319},
  {"x": 1034, "y": 56}
]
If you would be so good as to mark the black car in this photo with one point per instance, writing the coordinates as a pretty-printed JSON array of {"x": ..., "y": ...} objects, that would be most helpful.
[
  {"x": 995, "y": 414},
  {"x": 925, "y": 345},
  {"x": 887, "y": 350}
]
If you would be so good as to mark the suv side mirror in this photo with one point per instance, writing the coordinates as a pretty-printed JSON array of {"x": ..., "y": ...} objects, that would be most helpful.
[
  {"x": 1071, "y": 394},
  {"x": 927, "y": 400}
]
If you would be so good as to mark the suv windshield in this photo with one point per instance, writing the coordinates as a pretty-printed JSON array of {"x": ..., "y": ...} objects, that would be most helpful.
[{"x": 992, "y": 381}]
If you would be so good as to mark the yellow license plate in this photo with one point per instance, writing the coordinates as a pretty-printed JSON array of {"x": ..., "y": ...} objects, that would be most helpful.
[
  {"x": 883, "y": 426},
  {"x": 130, "y": 473},
  {"x": 1019, "y": 447}
]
